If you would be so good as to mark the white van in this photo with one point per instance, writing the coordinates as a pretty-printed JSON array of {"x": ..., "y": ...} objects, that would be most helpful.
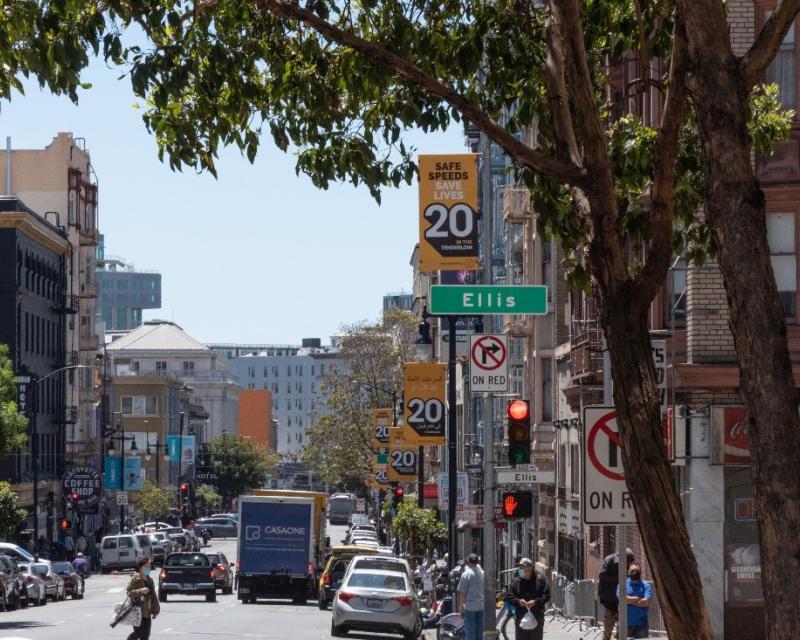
[{"x": 120, "y": 552}]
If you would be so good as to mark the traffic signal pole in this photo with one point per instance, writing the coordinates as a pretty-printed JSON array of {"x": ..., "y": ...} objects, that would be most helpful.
[{"x": 452, "y": 434}]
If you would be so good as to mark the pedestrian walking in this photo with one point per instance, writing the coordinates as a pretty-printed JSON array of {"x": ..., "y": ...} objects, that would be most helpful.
[
  {"x": 80, "y": 544},
  {"x": 608, "y": 581},
  {"x": 528, "y": 592},
  {"x": 142, "y": 591},
  {"x": 470, "y": 598},
  {"x": 69, "y": 547},
  {"x": 639, "y": 595}
]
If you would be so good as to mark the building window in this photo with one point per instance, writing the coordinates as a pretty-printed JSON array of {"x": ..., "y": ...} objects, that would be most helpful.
[
  {"x": 289, "y": 370},
  {"x": 251, "y": 372},
  {"x": 161, "y": 365},
  {"x": 783, "y": 70},
  {"x": 265, "y": 373},
  {"x": 275, "y": 372},
  {"x": 139, "y": 405},
  {"x": 781, "y": 238},
  {"x": 547, "y": 267},
  {"x": 135, "y": 365},
  {"x": 188, "y": 365},
  {"x": 289, "y": 421},
  {"x": 547, "y": 389}
]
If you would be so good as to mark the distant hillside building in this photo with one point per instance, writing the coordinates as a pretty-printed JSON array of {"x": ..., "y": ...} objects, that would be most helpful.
[{"x": 398, "y": 302}]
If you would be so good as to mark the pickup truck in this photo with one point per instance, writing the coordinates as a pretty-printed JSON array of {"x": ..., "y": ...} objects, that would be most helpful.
[{"x": 187, "y": 574}]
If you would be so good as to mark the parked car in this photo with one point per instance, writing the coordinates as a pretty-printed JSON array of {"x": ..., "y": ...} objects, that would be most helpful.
[
  {"x": 383, "y": 563},
  {"x": 165, "y": 541},
  {"x": 232, "y": 516},
  {"x": 377, "y": 601},
  {"x": 334, "y": 571},
  {"x": 157, "y": 526},
  {"x": 146, "y": 545},
  {"x": 53, "y": 583},
  {"x": 219, "y": 527},
  {"x": 188, "y": 574},
  {"x": 119, "y": 552},
  {"x": 178, "y": 536},
  {"x": 15, "y": 592},
  {"x": 73, "y": 583},
  {"x": 358, "y": 518},
  {"x": 16, "y": 552},
  {"x": 157, "y": 546},
  {"x": 223, "y": 572},
  {"x": 37, "y": 592}
]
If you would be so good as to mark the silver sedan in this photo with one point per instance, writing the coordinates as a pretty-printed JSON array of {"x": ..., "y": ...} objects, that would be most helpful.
[{"x": 377, "y": 601}]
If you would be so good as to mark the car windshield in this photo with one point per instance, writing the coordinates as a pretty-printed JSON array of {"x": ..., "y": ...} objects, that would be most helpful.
[
  {"x": 393, "y": 582},
  {"x": 213, "y": 558},
  {"x": 381, "y": 564},
  {"x": 62, "y": 567},
  {"x": 41, "y": 569},
  {"x": 188, "y": 560}
]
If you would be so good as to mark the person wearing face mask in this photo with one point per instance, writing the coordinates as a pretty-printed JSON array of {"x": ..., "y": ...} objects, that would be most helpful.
[
  {"x": 639, "y": 595},
  {"x": 608, "y": 581},
  {"x": 528, "y": 592},
  {"x": 142, "y": 591}
]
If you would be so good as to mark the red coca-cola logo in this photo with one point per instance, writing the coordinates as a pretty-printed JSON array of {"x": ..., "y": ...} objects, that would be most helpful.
[{"x": 737, "y": 440}]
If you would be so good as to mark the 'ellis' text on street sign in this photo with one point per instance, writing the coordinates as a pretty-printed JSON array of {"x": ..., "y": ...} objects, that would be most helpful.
[{"x": 481, "y": 299}]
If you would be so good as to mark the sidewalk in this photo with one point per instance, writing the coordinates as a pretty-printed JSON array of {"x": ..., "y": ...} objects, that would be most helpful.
[{"x": 553, "y": 631}]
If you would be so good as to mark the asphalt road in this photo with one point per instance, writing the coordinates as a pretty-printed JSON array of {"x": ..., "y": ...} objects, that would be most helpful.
[{"x": 181, "y": 617}]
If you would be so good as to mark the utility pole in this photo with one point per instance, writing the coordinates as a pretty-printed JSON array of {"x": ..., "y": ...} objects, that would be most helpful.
[{"x": 452, "y": 434}]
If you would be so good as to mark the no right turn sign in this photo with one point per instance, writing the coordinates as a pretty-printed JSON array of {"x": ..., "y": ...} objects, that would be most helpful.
[{"x": 605, "y": 498}]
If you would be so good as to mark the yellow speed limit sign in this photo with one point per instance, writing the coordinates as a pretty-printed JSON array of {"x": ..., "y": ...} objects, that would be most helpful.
[
  {"x": 448, "y": 206},
  {"x": 381, "y": 423}
]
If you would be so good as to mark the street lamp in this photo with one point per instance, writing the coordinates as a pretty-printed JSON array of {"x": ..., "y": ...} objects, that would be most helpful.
[
  {"x": 112, "y": 435},
  {"x": 148, "y": 456},
  {"x": 35, "y": 381}
]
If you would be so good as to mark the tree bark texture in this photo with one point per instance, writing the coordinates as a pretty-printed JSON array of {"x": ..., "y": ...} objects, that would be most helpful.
[
  {"x": 659, "y": 510},
  {"x": 735, "y": 213}
]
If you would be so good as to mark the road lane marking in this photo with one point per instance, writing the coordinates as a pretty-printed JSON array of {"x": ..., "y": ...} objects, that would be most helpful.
[{"x": 115, "y": 590}]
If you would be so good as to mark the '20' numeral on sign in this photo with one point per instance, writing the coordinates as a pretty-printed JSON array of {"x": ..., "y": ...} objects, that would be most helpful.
[
  {"x": 382, "y": 432},
  {"x": 457, "y": 222},
  {"x": 381, "y": 475},
  {"x": 403, "y": 460},
  {"x": 428, "y": 411}
]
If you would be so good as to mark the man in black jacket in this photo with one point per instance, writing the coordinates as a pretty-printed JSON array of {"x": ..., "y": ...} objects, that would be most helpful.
[
  {"x": 607, "y": 590},
  {"x": 528, "y": 592}
]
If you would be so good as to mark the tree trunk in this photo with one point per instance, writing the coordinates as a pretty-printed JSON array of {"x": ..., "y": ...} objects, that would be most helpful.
[
  {"x": 659, "y": 510},
  {"x": 735, "y": 213}
]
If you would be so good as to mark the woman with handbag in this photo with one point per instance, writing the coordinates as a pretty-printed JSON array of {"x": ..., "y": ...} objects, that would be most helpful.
[
  {"x": 528, "y": 593},
  {"x": 142, "y": 591}
]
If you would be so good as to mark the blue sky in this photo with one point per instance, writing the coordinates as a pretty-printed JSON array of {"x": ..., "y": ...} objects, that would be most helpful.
[{"x": 258, "y": 255}]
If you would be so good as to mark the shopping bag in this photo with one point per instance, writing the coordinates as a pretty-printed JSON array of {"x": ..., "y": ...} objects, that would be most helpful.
[
  {"x": 528, "y": 622},
  {"x": 127, "y": 613}
]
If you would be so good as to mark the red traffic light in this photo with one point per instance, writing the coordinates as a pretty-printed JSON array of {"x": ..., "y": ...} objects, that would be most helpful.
[
  {"x": 399, "y": 491},
  {"x": 185, "y": 486},
  {"x": 518, "y": 410},
  {"x": 74, "y": 496},
  {"x": 65, "y": 524}
]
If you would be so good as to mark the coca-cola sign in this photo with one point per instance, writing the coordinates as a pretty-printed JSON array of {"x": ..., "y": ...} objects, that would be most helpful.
[{"x": 730, "y": 438}]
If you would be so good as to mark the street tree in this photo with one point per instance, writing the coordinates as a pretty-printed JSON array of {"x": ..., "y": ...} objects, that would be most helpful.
[
  {"x": 420, "y": 528},
  {"x": 339, "y": 440},
  {"x": 339, "y": 83},
  {"x": 11, "y": 514},
  {"x": 240, "y": 464},
  {"x": 154, "y": 500},
  {"x": 208, "y": 497},
  {"x": 13, "y": 426}
]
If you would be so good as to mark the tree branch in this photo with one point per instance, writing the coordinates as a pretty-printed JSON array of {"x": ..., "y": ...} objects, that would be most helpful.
[
  {"x": 556, "y": 83},
  {"x": 768, "y": 41},
  {"x": 522, "y": 154},
  {"x": 659, "y": 254}
]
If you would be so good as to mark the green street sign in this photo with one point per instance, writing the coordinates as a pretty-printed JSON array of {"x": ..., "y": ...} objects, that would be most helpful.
[{"x": 478, "y": 300}]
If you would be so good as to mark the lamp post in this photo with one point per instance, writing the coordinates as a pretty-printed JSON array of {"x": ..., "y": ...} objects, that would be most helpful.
[
  {"x": 424, "y": 346},
  {"x": 35, "y": 381},
  {"x": 148, "y": 455},
  {"x": 112, "y": 435}
]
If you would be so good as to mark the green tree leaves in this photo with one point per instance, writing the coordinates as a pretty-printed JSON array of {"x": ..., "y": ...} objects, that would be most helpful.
[
  {"x": 12, "y": 425},
  {"x": 154, "y": 501},
  {"x": 240, "y": 464},
  {"x": 420, "y": 528},
  {"x": 11, "y": 514}
]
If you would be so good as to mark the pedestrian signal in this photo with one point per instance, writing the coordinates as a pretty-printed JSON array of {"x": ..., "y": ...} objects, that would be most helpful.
[
  {"x": 517, "y": 504},
  {"x": 65, "y": 524}
]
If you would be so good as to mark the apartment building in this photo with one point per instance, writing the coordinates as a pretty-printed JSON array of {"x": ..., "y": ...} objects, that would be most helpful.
[
  {"x": 60, "y": 183},
  {"x": 162, "y": 348},
  {"x": 124, "y": 291},
  {"x": 296, "y": 383},
  {"x": 34, "y": 311}
]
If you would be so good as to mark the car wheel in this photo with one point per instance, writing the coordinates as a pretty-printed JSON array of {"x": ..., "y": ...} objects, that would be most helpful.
[
  {"x": 43, "y": 599},
  {"x": 338, "y": 631},
  {"x": 211, "y": 597},
  {"x": 162, "y": 596}
]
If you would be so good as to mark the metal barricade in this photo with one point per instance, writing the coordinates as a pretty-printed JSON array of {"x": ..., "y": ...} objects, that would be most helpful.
[{"x": 558, "y": 589}]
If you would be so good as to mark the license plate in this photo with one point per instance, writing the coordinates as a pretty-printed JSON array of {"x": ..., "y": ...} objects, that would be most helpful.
[
  {"x": 190, "y": 586},
  {"x": 374, "y": 603}
]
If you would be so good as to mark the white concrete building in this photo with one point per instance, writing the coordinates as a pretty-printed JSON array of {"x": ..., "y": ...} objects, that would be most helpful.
[{"x": 162, "y": 348}]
